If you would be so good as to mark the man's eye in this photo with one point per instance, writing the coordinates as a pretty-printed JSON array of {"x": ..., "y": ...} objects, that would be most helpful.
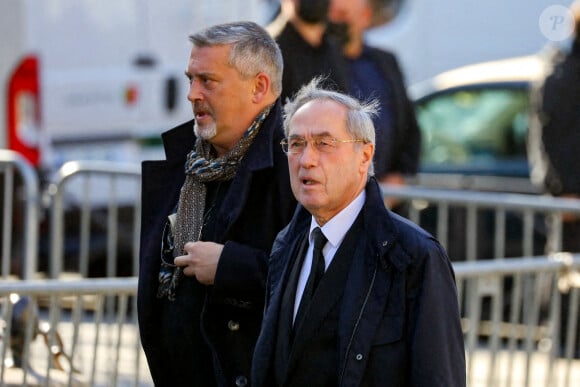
[
  {"x": 324, "y": 143},
  {"x": 296, "y": 144}
]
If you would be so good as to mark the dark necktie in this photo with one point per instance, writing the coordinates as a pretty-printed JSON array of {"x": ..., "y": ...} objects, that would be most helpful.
[{"x": 316, "y": 271}]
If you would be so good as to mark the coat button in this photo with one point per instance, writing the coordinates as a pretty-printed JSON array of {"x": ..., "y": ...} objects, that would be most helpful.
[
  {"x": 241, "y": 381},
  {"x": 233, "y": 326},
  {"x": 359, "y": 356}
]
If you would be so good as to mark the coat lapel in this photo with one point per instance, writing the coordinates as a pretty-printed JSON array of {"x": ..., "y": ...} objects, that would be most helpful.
[
  {"x": 285, "y": 333},
  {"x": 325, "y": 299},
  {"x": 330, "y": 290}
]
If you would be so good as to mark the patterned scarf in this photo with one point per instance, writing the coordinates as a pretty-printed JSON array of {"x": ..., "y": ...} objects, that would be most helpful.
[{"x": 187, "y": 223}]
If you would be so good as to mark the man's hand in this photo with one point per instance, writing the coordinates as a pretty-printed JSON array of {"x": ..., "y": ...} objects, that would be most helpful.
[{"x": 200, "y": 261}]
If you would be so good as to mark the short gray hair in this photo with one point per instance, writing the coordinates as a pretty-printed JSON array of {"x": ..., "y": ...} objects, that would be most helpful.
[
  {"x": 253, "y": 49},
  {"x": 359, "y": 115}
]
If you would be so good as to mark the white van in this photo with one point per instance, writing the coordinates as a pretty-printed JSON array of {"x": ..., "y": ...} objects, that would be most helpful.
[{"x": 91, "y": 79}]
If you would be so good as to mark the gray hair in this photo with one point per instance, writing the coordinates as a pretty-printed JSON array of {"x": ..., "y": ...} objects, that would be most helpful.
[
  {"x": 359, "y": 115},
  {"x": 253, "y": 49}
]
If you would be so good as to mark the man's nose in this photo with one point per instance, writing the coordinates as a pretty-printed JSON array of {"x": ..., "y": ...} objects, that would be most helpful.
[
  {"x": 309, "y": 156},
  {"x": 194, "y": 91}
]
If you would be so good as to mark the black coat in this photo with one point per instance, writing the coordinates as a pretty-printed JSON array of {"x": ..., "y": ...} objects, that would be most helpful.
[
  {"x": 208, "y": 333},
  {"x": 399, "y": 322}
]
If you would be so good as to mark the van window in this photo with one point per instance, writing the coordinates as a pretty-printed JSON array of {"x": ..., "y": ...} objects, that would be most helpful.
[{"x": 474, "y": 128}]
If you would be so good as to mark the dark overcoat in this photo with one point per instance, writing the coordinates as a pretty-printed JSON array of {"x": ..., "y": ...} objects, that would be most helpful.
[
  {"x": 209, "y": 333},
  {"x": 399, "y": 322}
]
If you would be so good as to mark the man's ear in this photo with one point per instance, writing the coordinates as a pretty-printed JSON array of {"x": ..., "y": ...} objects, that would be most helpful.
[
  {"x": 261, "y": 87},
  {"x": 368, "y": 152}
]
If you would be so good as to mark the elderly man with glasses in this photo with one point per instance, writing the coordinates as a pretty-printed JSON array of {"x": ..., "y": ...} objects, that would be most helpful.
[{"x": 357, "y": 295}]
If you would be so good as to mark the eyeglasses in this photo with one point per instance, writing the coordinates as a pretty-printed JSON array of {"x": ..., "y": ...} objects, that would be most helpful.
[{"x": 296, "y": 145}]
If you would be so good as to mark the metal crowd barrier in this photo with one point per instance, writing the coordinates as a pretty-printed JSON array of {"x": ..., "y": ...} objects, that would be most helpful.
[
  {"x": 476, "y": 225},
  {"x": 514, "y": 335},
  {"x": 520, "y": 320},
  {"x": 100, "y": 200},
  {"x": 85, "y": 222},
  {"x": 61, "y": 333},
  {"x": 20, "y": 193}
]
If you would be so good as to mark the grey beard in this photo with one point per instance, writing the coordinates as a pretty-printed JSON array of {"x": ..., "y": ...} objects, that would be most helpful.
[{"x": 206, "y": 133}]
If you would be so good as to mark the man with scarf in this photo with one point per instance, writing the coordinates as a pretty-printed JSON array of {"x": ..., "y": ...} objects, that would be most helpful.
[{"x": 211, "y": 211}]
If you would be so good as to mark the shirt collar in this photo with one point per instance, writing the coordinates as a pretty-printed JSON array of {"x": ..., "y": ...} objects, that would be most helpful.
[{"x": 337, "y": 227}]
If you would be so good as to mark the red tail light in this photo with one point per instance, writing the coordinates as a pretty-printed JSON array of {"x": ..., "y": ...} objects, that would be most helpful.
[{"x": 24, "y": 110}]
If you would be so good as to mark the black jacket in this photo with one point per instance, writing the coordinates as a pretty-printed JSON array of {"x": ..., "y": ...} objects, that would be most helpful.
[
  {"x": 208, "y": 333},
  {"x": 399, "y": 322}
]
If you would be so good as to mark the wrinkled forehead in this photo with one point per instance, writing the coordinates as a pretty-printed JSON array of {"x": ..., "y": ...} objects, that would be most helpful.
[{"x": 320, "y": 117}]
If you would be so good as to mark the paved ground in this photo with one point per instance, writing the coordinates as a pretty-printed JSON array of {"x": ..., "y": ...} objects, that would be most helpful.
[
  {"x": 120, "y": 362},
  {"x": 108, "y": 356},
  {"x": 510, "y": 369}
]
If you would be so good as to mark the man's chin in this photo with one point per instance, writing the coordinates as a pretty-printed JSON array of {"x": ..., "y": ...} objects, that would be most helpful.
[
  {"x": 205, "y": 132},
  {"x": 312, "y": 204}
]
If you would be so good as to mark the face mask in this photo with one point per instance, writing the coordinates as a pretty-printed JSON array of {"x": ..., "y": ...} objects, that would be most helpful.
[
  {"x": 339, "y": 31},
  {"x": 313, "y": 11}
]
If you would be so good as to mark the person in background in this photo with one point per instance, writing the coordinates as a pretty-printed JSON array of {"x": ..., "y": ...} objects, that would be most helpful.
[
  {"x": 554, "y": 132},
  {"x": 375, "y": 73},
  {"x": 308, "y": 51},
  {"x": 357, "y": 295},
  {"x": 553, "y": 151},
  {"x": 211, "y": 211}
]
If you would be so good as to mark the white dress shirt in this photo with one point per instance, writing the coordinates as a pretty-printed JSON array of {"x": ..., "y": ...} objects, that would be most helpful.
[{"x": 334, "y": 230}]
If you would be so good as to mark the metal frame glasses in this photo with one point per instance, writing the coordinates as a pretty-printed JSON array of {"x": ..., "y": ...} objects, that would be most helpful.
[{"x": 296, "y": 145}]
